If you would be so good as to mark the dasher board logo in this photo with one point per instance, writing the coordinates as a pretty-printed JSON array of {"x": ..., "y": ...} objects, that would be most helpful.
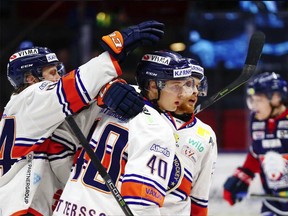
[
  {"x": 157, "y": 59},
  {"x": 23, "y": 53}
]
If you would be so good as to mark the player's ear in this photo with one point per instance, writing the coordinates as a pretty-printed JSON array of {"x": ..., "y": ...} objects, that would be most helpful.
[
  {"x": 30, "y": 79},
  {"x": 276, "y": 99},
  {"x": 152, "y": 90}
]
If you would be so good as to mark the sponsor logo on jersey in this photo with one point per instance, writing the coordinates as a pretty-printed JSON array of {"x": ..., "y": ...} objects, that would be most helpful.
[
  {"x": 28, "y": 178},
  {"x": 158, "y": 148},
  {"x": 211, "y": 141},
  {"x": 112, "y": 113},
  {"x": 258, "y": 125},
  {"x": 188, "y": 152},
  {"x": 203, "y": 132},
  {"x": 271, "y": 143},
  {"x": 185, "y": 72},
  {"x": 157, "y": 59},
  {"x": 23, "y": 53},
  {"x": 51, "y": 57},
  {"x": 196, "y": 144},
  {"x": 282, "y": 134},
  {"x": 283, "y": 124},
  {"x": 176, "y": 174},
  {"x": 36, "y": 178},
  {"x": 43, "y": 85},
  {"x": 258, "y": 135}
]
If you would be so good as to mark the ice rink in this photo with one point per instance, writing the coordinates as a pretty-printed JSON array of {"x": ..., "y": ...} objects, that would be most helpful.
[{"x": 226, "y": 164}]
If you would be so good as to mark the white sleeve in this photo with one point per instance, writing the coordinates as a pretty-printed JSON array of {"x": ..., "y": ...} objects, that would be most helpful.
[
  {"x": 40, "y": 108},
  {"x": 201, "y": 186}
]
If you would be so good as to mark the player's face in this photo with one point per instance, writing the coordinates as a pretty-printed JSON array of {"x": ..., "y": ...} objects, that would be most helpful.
[
  {"x": 173, "y": 93},
  {"x": 189, "y": 102},
  {"x": 50, "y": 73},
  {"x": 259, "y": 104}
]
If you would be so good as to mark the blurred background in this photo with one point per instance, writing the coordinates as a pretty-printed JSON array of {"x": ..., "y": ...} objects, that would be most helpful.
[{"x": 214, "y": 32}]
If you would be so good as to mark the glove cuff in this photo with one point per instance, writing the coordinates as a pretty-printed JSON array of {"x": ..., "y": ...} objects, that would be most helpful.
[
  {"x": 105, "y": 88},
  {"x": 114, "y": 42},
  {"x": 244, "y": 175}
]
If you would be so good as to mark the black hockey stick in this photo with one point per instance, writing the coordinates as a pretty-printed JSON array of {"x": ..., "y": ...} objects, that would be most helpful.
[
  {"x": 97, "y": 163},
  {"x": 254, "y": 52},
  {"x": 269, "y": 197}
]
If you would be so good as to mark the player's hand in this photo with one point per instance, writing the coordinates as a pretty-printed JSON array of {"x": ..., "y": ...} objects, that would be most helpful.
[
  {"x": 122, "y": 98},
  {"x": 121, "y": 43},
  {"x": 237, "y": 185}
]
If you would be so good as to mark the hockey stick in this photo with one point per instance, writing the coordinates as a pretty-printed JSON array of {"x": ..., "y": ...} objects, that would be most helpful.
[
  {"x": 97, "y": 163},
  {"x": 254, "y": 52},
  {"x": 269, "y": 197}
]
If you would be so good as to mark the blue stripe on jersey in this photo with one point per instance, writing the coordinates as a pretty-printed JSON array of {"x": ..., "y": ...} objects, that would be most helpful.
[
  {"x": 179, "y": 193},
  {"x": 62, "y": 99},
  {"x": 199, "y": 202},
  {"x": 81, "y": 88},
  {"x": 63, "y": 141},
  {"x": 22, "y": 141},
  {"x": 138, "y": 201},
  {"x": 145, "y": 180},
  {"x": 188, "y": 175}
]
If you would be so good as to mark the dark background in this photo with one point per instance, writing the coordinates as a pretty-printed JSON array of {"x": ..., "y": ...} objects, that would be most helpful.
[{"x": 215, "y": 32}]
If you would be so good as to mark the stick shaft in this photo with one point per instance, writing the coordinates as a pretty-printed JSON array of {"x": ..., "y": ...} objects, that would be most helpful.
[{"x": 254, "y": 53}]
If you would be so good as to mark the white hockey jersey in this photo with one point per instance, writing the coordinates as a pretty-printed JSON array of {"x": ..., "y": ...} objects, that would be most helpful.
[
  {"x": 30, "y": 155},
  {"x": 137, "y": 154},
  {"x": 194, "y": 163}
]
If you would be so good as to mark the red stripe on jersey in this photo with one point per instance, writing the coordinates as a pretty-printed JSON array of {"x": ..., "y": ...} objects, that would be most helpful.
[
  {"x": 48, "y": 146},
  {"x": 123, "y": 164},
  {"x": 197, "y": 210},
  {"x": 116, "y": 65},
  {"x": 185, "y": 186},
  {"x": 142, "y": 191},
  {"x": 106, "y": 161},
  {"x": 26, "y": 211},
  {"x": 72, "y": 95}
]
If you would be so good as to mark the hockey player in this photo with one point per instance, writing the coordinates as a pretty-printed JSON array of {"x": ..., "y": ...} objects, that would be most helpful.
[
  {"x": 267, "y": 99},
  {"x": 138, "y": 154},
  {"x": 30, "y": 153},
  {"x": 196, "y": 154}
]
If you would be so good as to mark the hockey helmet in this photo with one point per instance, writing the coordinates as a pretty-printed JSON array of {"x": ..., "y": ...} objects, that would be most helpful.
[
  {"x": 198, "y": 72},
  {"x": 161, "y": 66},
  {"x": 31, "y": 60},
  {"x": 267, "y": 83}
]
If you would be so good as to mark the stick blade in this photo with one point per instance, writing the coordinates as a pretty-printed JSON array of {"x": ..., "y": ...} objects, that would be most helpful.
[{"x": 255, "y": 47}]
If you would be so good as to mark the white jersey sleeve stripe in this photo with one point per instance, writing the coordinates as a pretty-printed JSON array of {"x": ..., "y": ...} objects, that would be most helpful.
[
  {"x": 62, "y": 99},
  {"x": 180, "y": 194},
  {"x": 81, "y": 88},
  {"x": 199, "y": 202}
]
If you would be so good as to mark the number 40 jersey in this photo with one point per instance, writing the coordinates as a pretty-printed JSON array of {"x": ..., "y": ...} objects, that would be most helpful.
[{"x": 137, "y": 154}]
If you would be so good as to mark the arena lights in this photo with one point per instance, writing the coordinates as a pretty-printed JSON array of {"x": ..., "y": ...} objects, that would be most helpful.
[
  {"x": 103, "y": 19},
  {"x": 177, "y": 47}
]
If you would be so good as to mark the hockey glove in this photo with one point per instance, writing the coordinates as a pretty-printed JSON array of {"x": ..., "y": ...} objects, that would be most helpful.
[
  {"x": 120, "y": 43},
  {"x": 121, "y": 97},
  {"x": 236, "y": 186}
]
